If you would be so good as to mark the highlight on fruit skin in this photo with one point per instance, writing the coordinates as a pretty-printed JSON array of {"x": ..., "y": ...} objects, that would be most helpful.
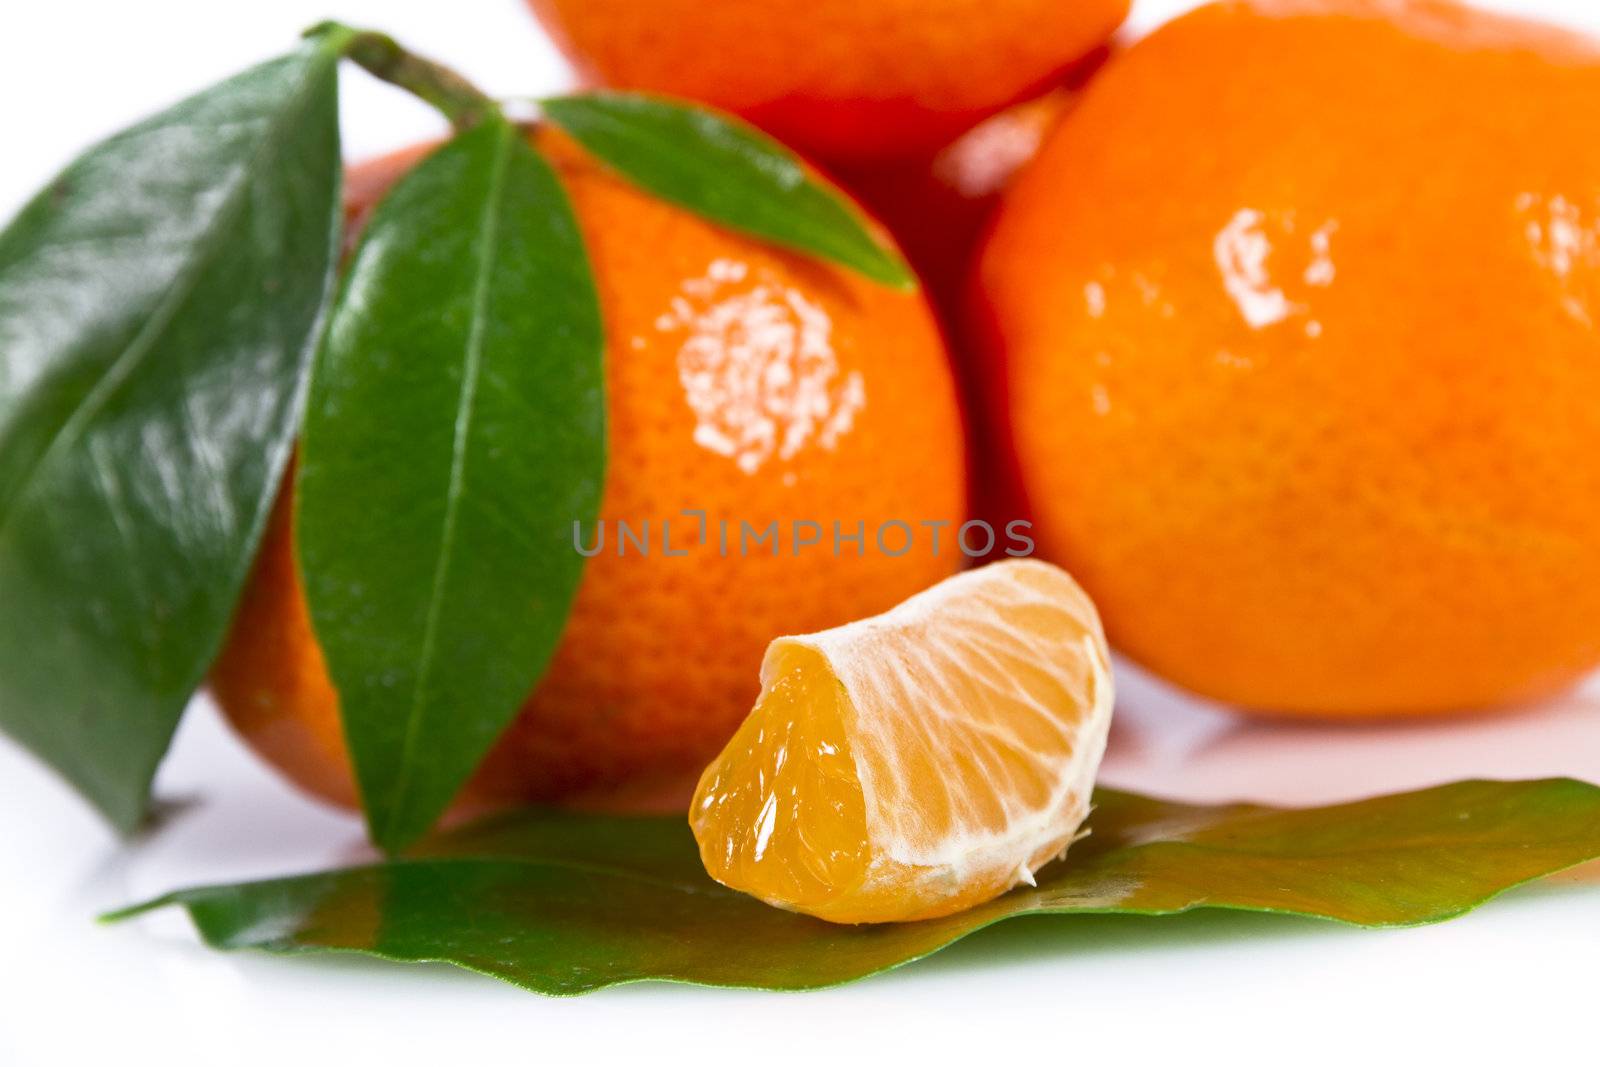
[
  {"x": 937, "y": 206},
  {"x": 919, "y": 762}
]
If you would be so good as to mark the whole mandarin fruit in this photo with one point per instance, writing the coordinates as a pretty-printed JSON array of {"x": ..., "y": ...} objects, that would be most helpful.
[
  {"x": 841, "y": 79},
  {"x": 1293, "y": 336},
  {"x": 746, "y": 383}
]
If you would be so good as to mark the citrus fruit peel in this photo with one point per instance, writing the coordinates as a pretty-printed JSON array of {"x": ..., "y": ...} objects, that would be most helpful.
[{"x": 919, "y": 762}]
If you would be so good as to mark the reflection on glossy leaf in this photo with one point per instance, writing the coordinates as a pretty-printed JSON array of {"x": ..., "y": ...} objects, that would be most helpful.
[
  {"x": 566, "y": 904},
  {"x": 157, "y": 305}
]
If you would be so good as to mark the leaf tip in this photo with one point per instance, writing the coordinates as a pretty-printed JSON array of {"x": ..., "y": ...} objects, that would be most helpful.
[
  {"x": 394, "y": 827},
  {"x": 897, "y": 274},
  {"x": 133, "y": 911}
]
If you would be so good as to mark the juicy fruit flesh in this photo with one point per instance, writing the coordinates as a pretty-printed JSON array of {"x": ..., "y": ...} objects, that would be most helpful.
[
  {"x": 796, "y": 826},
  {"x": 919, "y": 762}
]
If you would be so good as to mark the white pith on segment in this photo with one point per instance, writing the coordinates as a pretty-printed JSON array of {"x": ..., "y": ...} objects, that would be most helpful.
[{"x": 985, "y": 630}]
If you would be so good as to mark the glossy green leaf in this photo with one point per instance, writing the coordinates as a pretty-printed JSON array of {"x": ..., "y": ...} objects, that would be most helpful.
[
  {"x": 158, "y": 302},
  {"x": 565, "y": 904},
  {"x": 454, "y": 433},
  {"x": 728, "y": 172}
]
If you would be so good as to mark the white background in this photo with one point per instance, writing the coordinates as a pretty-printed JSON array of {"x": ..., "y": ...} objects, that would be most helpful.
[{"x": 1514, "y": 980}]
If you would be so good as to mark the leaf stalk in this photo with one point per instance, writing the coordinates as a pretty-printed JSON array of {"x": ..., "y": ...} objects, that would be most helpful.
[{"x": 461, "y": 102}]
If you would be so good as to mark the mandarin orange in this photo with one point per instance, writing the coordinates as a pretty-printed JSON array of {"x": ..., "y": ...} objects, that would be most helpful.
[
  {"x": 744, "y": 384},
  {"x": 842, "y": 79},
  {"x": 1293, "y": 330}
]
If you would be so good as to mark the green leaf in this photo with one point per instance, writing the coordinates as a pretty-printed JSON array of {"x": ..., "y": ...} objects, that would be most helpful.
[
  {"x": 728, "y": 172},
  {"x": 158, "y": 303},
  {"x": 454, "y": 433},
  {"x": 565, "y": 904}
]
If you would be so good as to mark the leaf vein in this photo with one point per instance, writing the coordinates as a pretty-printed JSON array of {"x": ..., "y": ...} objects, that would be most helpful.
[{"x": 471, "y": 373}]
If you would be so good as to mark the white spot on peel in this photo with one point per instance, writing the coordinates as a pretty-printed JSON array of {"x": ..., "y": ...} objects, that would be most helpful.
[
  {"x": 1241, "y": 249},
  {"x": 1321, "y": 271},
  {"x": 728, "y": 270},
  {"x": 1564, "y": 240},
  {"x": 1094, "y": 299},
  {"x": 1100, "y": 399},
  {"x": 1149, "y": 291},
  {"x": 758, "y": 367}
]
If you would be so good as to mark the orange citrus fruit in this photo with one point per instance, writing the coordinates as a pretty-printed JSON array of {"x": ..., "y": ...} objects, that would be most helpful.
[
  {"x": 746, "y": 387},
  {"x": 1293, "y": 333},
  {"x": 917, "y": 763},
  {"x": 844, "y": 79}
]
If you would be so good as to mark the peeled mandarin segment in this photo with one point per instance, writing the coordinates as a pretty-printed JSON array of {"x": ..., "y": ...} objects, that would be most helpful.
[{"x": 919, "y": 762}]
